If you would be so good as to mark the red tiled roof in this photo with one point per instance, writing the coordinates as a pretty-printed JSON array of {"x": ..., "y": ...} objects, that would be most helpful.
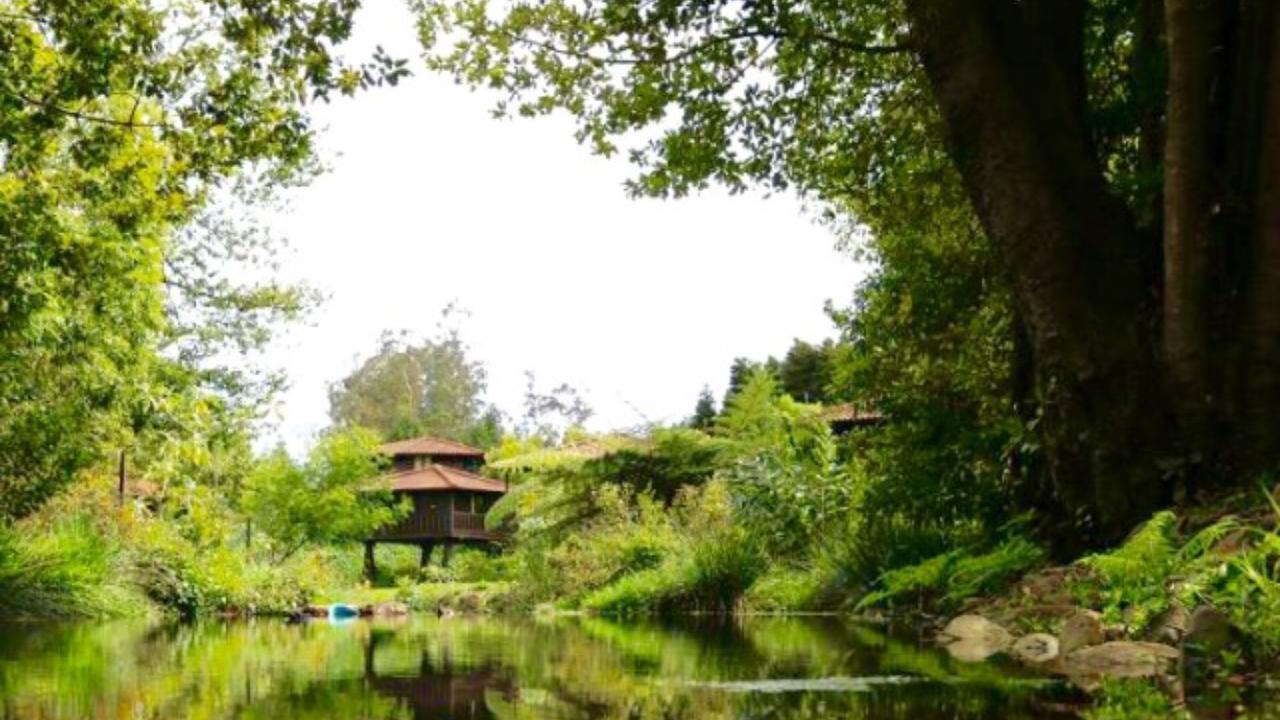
[
  {"x": 442, "y": 477},
  {"x": 430, "y": 446}
]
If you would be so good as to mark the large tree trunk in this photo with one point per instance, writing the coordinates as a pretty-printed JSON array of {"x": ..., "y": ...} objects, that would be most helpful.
[
  {"x": 1258, "y": 404},
  {"x": 1011, "y": 102},
  {"x": 1154, "y": 362}
]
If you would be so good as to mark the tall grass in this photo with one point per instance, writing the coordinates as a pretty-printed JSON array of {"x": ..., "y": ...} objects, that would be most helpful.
[
  {"x": 59, "y": 573},
  {"x": 711, "y": 577}
]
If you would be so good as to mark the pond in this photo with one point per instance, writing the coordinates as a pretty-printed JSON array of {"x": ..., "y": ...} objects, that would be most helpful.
[{"x": 472, "y": 668}]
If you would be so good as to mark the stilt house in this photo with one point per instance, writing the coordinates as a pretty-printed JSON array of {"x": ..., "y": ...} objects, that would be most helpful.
[{"x": 449, "y": 497}]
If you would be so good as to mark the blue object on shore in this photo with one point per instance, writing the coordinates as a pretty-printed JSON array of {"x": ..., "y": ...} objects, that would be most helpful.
[{"x": 341, "y": 611}]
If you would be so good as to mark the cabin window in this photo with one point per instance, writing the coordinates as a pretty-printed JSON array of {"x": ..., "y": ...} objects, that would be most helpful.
[{"x": 480, "y": 503}]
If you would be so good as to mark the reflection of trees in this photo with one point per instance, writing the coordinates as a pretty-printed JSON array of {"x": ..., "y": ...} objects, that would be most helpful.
[
  {"x": 440, "y": 690},
  {"x": 490, "y": 669}
]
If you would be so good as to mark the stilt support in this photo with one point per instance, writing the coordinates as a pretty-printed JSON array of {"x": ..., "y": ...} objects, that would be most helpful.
[{"x": 370, "y": 566}]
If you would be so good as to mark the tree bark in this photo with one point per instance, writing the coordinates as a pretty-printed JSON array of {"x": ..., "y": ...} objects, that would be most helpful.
[
  {"x": 1260, "y": 388},
  {"x": 1192, "y": 28},
  {"x": 1018, "y": 137}
]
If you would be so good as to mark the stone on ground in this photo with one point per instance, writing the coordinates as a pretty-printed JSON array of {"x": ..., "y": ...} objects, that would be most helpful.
[
  {"x": 1082, "y": 629},
  {"x": 1036, "y": 648},
  {"x": 973, "y": 638},
  {"x": 1119, "y": 659}
]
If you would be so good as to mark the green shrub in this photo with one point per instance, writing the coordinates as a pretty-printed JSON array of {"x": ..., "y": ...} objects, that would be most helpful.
[{"x": 472, "y": 565}]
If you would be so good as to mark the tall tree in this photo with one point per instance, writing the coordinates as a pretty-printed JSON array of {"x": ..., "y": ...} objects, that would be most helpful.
[
  {"x": 549, "y": 414},
  {"x": 323, "y": 500},
  {"x": 806, "y": 369},
  {"x": 120, "y": 121},
  {"x": 704, "y": 412},
  {"x": 1116, "y": 155},
  {"x": 408, "y": 389}
]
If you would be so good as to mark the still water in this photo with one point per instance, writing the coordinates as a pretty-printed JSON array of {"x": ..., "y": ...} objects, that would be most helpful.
[{"x": 473, "y": 668}]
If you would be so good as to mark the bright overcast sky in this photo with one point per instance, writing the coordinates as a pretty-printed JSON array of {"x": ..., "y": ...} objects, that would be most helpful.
[{"x": 637, "y": 303}]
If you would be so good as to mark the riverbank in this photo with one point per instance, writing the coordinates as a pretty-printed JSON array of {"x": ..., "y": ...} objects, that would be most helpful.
[{"x": 1182, "y": 617}]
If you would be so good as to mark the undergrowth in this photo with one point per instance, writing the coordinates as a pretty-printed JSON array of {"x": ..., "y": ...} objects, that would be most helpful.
[{"x": 946, "y": 580}]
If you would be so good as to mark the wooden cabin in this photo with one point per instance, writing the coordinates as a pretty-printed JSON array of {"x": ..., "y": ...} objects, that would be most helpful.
[{"x": 450, "y": 498}]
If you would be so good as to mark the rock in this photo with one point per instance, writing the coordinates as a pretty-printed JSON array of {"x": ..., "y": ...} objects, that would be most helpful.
[
  {"x": 315, "y": 611},
  {"x": 1081, "y": 630},
  {"x": 366, "y": 610},
  {"x": 390, "y": 609},
  {"x": 1035, "y": 648},
  {"x": 1119, "y": 659},
  {"x": 1209, "y": 631},
  {"x": 1171, "y": 626},
  {"x": 973, "y": 638}
]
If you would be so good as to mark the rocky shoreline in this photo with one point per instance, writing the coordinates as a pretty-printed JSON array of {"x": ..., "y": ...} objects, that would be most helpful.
[{"x": 1039, "y": 626}]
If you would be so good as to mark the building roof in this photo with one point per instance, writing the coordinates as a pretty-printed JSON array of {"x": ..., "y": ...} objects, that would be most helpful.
[
  {"x": 441, "y": 478},
  {"x": 850, "y": 413},
  {"x": 430, "y": 446}
]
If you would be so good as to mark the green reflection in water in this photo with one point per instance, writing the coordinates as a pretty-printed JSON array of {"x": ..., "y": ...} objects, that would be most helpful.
[{"x": 468, "y": 668}]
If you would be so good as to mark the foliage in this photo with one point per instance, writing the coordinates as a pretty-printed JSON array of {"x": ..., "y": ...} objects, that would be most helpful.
[
  {"x": 852, "y": 558},
  {"x": 806, "y": 371},
  {"x": 953, "y": 577},
  {"x": 429, "y": 388},
  {"x": 63, "y": 573},
  {"x": 124, "y": 126},
  {"x": 1127, "y": 699},
  {"x": 327, "y": 499},
  {"x": 1132, "y": 579},
  {"x": 784, "y": 471},
  {"x": 783, "y": 589},
  {"x": 554, "y": 489},
  {"x": 704, "y": 412},
  {"x": 718, "y": 564}
]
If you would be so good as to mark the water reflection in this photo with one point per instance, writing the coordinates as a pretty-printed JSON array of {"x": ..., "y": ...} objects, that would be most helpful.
[
  {"x": 439, "y": 688},
  {"x": 471, "y": 669}
]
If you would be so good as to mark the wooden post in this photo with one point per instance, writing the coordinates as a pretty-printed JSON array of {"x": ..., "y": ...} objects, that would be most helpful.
[
  {"x": 427, "y": 548},
  {"x": 370, "y": 566},
  {"x": 448, "y": 553},
  {"x": 121, "y": 489}
]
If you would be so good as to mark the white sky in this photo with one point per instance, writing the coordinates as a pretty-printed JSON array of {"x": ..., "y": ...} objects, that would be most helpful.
[{"x": 637, "y": 303}]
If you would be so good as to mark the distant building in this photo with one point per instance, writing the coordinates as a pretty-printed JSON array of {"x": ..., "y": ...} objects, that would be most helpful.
[
  {"x": 847, "y": 416},
  {"x": 449, "y": 497}
]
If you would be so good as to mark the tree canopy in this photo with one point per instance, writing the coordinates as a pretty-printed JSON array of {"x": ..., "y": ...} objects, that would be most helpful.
[
  {"x": 127, "y": 129},
  {"x": 409, "y": 389}
]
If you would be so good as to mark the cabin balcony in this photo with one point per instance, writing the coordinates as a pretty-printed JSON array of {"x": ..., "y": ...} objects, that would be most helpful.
[{"x": 451, "y": 525}]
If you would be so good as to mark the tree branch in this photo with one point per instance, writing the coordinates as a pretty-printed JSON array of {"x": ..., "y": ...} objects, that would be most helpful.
[
  {"x": 657, "y": 52},
  {"x": 85, "y": 117}
]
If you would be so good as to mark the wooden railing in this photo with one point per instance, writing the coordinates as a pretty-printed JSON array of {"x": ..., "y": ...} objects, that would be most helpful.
[
  {"x": 467, "y": 524},
  {"x": 426, "y": 524}
]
